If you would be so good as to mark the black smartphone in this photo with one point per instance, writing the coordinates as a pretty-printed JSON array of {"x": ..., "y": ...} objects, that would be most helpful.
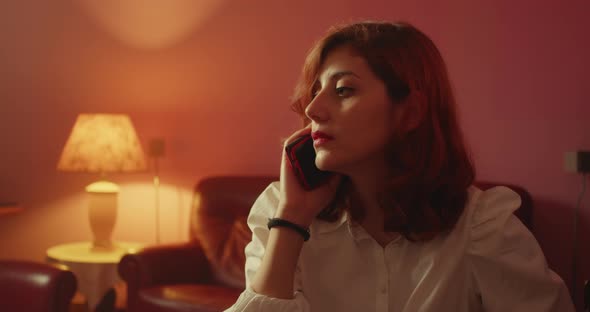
[{"x": 301, "y": 154}]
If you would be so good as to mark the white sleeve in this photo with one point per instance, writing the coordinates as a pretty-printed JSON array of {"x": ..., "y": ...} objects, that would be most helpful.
[
  {"x": 507, "y": 264},
  {"x": 249, "y": 301}
]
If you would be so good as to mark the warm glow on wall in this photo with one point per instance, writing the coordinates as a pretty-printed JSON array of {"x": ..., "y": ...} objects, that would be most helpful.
[{"x": 150, "y": 24}]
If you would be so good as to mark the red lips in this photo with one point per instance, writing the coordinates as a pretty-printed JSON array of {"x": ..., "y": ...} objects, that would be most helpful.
[
  {"x": 320, "y": 138},
  {"x": 317, "y": 135}
]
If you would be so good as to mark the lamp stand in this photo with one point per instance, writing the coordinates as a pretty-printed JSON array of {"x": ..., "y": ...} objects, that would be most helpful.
[{"x": 102, "y": 213}]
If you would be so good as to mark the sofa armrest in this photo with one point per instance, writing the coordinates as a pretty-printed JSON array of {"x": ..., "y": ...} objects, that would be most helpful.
[
  {"x": 165, "y": 264},
  {"x": 161, "y": 265},
  {"x": 35, "y": 286}
]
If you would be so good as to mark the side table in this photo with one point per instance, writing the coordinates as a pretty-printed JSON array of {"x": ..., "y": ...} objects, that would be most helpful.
[{"x": 95, "y": 270}]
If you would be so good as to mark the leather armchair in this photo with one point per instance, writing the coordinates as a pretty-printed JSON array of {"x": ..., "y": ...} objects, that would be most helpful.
[
  {"x": 35, "y": 287},
  {"x": 206, "y": 273}
]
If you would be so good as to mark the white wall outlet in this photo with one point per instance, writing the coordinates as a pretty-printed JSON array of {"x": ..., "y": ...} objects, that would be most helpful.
[{"x": 578, "y": 161}]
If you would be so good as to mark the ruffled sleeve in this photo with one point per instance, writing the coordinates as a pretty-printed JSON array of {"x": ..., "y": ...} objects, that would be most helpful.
[
  {"x": 250, "y": 301},
  {"x": 508, "y": 267}
]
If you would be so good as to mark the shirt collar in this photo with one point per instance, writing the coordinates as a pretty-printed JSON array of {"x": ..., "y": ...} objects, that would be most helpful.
[
  {"x": 319, "y": 227},
  {"x": 355, "y": 230}
]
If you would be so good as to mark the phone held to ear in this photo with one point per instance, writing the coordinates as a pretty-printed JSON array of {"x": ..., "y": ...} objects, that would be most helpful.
[{"x": 302, "y": 155}]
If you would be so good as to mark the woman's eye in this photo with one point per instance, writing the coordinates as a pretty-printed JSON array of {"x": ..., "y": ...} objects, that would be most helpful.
[
  {"x": 343, "y": 91},
  {"x": 340, "y": 91}
]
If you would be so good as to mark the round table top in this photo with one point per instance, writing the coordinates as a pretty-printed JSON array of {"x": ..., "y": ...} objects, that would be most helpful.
[{"x": 84, "y": 252}]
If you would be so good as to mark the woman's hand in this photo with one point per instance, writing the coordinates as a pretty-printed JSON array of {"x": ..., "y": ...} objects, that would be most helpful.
[{"x": 296, "y": 204}]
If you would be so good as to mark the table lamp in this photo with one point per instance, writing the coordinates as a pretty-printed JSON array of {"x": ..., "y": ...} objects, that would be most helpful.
[{"x": 102, "y": 143}]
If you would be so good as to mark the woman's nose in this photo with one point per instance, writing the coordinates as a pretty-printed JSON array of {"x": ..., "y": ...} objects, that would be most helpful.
[{"x": 316, "y": 111}]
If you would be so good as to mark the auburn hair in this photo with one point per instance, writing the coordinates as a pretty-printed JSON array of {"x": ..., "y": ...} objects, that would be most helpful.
[{"x": 432, "y": 169}]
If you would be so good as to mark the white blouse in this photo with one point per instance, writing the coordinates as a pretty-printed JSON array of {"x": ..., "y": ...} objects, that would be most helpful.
[{"x": 488, "y": 262}]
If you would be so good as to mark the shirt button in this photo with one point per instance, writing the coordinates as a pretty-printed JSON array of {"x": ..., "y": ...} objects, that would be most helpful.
[{"x": 383, "y": 290}]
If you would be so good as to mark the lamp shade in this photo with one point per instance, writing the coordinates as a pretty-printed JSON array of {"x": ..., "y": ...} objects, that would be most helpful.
[{"x": 102, "y": 143}]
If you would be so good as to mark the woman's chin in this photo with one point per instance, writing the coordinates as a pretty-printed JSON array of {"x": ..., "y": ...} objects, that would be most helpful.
[
  {"x": 327, "y": 161},
  {"x": 325, "y": 165}
]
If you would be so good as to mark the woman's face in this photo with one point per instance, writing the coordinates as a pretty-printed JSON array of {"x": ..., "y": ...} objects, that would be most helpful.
[{"x": 352, "y": 107}]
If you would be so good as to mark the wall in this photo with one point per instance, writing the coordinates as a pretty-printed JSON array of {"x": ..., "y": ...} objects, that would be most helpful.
[{"x": 217, "y": 83}]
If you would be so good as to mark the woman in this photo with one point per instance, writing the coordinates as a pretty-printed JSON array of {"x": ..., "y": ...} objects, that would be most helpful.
[{"x": 398, "y": 227}]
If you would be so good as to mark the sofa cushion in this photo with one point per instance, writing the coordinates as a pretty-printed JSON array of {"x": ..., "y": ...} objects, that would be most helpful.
[
  {"x": 218, "y": 221},
  {"x": 230, "y": 267}
]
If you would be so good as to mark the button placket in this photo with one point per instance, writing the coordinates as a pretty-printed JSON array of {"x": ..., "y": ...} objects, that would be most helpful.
[{"x": 382, "y": 297}]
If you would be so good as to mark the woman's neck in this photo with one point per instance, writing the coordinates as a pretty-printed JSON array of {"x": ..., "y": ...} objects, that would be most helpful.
[
  {"x": 374, "y": 219},
  {"x": 367, "y": 178},
  {"x": 363, "y": 195}
]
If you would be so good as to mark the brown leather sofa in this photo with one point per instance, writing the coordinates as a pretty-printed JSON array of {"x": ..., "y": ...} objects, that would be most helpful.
[
  {"x": 207, "y": 273},
  {"x": 35, "y": 287}
]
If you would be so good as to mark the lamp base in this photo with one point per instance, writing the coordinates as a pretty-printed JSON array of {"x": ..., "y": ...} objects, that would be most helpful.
[
  {"x": 104, "y": 248},
  {"x": 102, "y": 213}
]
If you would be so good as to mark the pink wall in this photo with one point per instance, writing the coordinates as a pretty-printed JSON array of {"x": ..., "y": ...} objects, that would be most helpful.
[{"x": 519, "y": 69}]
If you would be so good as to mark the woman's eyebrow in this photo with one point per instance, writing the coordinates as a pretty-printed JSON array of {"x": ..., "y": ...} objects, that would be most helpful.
[{"x": 338, "y": 75}]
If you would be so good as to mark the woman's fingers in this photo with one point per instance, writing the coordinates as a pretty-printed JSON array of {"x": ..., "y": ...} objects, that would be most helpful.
[{"x": 297, "y": 134}]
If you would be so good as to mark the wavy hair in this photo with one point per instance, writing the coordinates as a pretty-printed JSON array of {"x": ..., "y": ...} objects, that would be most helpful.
[{"x": 432, "y": 168}]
